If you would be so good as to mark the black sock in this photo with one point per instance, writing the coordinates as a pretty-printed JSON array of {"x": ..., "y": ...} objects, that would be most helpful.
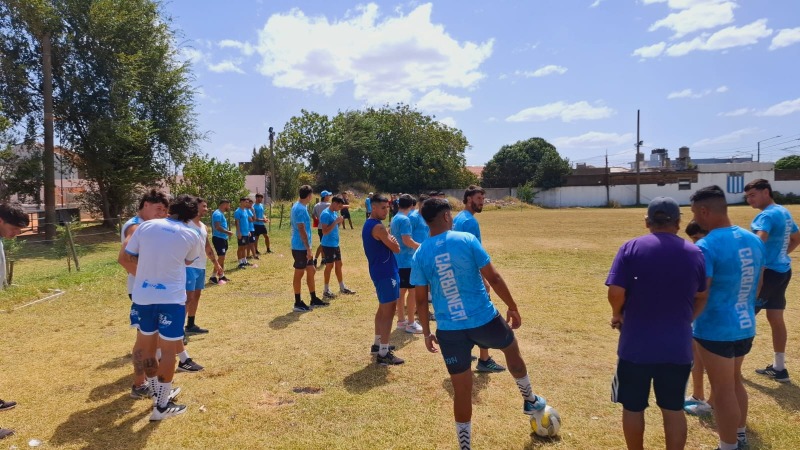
[
  {"x": 314, "y": 296},
  {"x": 297, "y": 298},
  {"x": 190, "y": 324}
]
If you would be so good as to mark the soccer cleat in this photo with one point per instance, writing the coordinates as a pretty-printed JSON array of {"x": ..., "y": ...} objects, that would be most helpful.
[
  {"x": 328, "y": 294},
  {"x": 166, "y": 412},
  {"x": 213, "y": 280},
  {"x": 489, "y": 366},
  {"x": 781, "y": 376},
  {"x": 347, "y": 291},
  {"x": 374, "y": 349},
  {"x": 301, "y": 307},
  {"x": 414, "y": 328},
  {"x": 317, "y": 303},
  {"x": 140, "y": 392},
  {"x": 530, "y": 408},
  {"x": 194, "y": 329},
  {"x": 189, "y": 366},
  {"x": 5, "y": 406},
  {"x": 389, "y": 360}
]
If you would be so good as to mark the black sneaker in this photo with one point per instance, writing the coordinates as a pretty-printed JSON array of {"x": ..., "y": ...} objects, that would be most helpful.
[
  {"x": 5, "y": 406},
  {"x": 328, "y": 294},
  {"x": 258, "y": 252},
  {"x": 374, "y": 349},
  {"x": 143, "y": 391},
  {"x": 301, "y": 307},
  {"x": 269, "y": 251},
  {"x": 489, "y": 366},
  {"x": 317, "y": 303},
  {"x": 194, "y": 329},
  {"x": 389, "y": 360},
  {"x": 347, "y": 291},
  {"x": 242, "y": 266},
  {"x": 189, "y": 366},
  {"x": 213, "y": 280},
  {"x": 224, "y": 278},
  {"x": 781, "y": 376}
]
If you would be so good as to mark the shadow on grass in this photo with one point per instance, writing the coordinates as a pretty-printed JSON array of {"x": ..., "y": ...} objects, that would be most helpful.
[
  {"x": 787, "y": 395},
  {"x": 539, "y": 442},
  {"x": 282, "y": 322},
  {"x": 707, "y": 421},
  {"x": 479, "y": 382},
  {"x": 116, "y": 363},
  {"x": 371, "y": 376},
  {"x": 399, "y": 338},
  {"x": 100, "y": 427},
  {"x": 109, "y": 390}
]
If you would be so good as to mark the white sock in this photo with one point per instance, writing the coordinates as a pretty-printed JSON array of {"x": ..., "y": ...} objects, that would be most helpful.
[
  {"x": 341, "y": 286},
  {"x": 153, "y": 383},
  {"x": 377, "y": 339},
  {"x": 164, "y": 389},
  {"x": 780, "y": 361},
  {"x": 383, "y": 350},
  {"x": 464, "y": 434},
  {"x": 158, "y": 354},
  {"x": 524, "y": 385},
  {"x": 184, "y": 355},
  {"x": 327, "y": 288},
  {"x": 724, "y": 446}
]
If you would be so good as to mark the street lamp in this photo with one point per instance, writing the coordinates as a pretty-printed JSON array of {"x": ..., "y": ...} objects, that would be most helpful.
[{"x": 759, "y": 146}]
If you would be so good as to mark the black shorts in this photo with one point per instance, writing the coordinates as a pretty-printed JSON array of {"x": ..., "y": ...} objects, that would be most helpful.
[
  {"x": 258, "y": 230},
  {"x": 631, "y": 385},
  {"x": 405, "y": 279},
  {"x": 220, "y": 245},
  {"x": 727, "y": 349},
  {"x": 773, "y": 290},
  {"x": 319, "y": 232},
  {"x": 253, "y": 238},
  {"x": 300, "y": 261},
  {"x": 331, "y": 254},
  {"x": 244, "y": 240},
  {"x": 456, "y": 345},
  {"x": 346, "y": 213}
]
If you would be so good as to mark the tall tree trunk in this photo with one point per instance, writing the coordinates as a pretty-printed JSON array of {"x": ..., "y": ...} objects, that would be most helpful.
[
  {"x": 105, "y": 207},
  {"x": 48, "y": 157}
]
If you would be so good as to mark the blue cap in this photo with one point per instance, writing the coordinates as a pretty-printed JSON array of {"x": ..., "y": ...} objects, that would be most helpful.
[
  {"x": 325, "y": 194},
  {"x": 662, "y": 210}
]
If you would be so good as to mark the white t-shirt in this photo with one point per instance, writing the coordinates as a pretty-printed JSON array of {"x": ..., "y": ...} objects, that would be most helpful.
[
  {"x": 135, "y": 220},
  {"x": 200, "y": 263},
  {"x": 2, "y": 266},
  {"x": 163, "y": 246}
]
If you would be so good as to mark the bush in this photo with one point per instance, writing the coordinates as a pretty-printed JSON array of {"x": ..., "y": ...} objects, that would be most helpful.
[
  {"x": 786, "y": 199},
  {"x": 526, "y": 193}
]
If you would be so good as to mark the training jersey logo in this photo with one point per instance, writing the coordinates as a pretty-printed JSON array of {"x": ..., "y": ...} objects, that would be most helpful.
[
  {"x": 394, "y": 282},
  {"x": 157, "y": 286},
  {"x": 449, "y": 286},
  {"x": 164, "y": 320},
  {"x": 746, "y": 286}
]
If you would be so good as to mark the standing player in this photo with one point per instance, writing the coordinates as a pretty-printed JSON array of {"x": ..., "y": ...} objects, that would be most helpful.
[
  {"x": 380, "y": 248},
  {"x": 219, "y": 238},
  {"x": 401, "y": 230},
  {"x": 725, "y": 329},
  {"x": 331, "y": 254},
  {"x": 775, "y": 226},
  {"x": 465, "y": 221},
  {"x": 301, "y": 251},
  {"x": 316, "y": 212},
  {"x": 252, "y": 249},
  {"x": 242, "y": 222},
  {"x": 346, "y": 211},
  {"x": 656, "y": 286},
  {"x": 260, "y": 224},
  {"x": 196, "y": 272},
  {"x": 452, "y": 265},
  {"x": 368, "y": 204},
  {"x": 158, "y": 253}
]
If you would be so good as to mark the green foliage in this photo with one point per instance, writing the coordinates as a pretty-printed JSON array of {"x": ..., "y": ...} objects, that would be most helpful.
[
  {"x": 532, "y": 160},
  {"x": 211, "y": 179},
  {"x": 526, "y": 192},
  {"x": 788, "y": 162},
  {"x": 785, "y": 199},
  {"x": 20, "y": 168}
]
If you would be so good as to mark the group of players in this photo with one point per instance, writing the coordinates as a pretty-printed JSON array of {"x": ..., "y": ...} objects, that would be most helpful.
[{"x": 684, "y": 308}]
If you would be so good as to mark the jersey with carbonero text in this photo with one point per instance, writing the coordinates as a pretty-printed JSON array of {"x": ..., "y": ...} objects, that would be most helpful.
[
  {"x": 777, "y": 222},
  {"x": 450, "y": 263}
]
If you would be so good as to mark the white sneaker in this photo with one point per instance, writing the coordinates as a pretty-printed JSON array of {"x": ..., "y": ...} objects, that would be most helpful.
[
  {"x": 414, "y": 328},
  {"x": 170, "y": 410},
  {"x": 701, "y": 408},
  {"x": 401, "y": 324}
]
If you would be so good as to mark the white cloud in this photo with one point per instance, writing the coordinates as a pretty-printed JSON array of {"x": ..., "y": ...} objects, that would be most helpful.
[
  {"x": 492, "y": 119},
  {"x": 682, "y": 4},
  {"x": 722, "y": 89},
  {"x": 701, "y": 16},
  {"x": 735, "y": 112},
  {"x": 437, "y": 100},
  {"x": 688, "y": 93},
  {"x": 225, "y": 66},
  {"x": 546, "y": 70},
  {"x": 193, "y": 55},
  {"x": 594, "y": 139},
  {"x": 449, "y": 121},
  {"x": 723, "y": 39},
  {"x": 245, "y": 47},
  {"x": 729, "y": 138},
  {"x": 567, "y": 112},
  {"x": 782, "y": 108},
  {"x": 650, "y": 51},
  {"x": 595, "y": 4},
  {"x": 386, "y": 59},
  {"x": 785, "y": 38}
]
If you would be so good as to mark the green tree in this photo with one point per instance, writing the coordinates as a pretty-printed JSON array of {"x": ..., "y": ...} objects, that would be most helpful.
[
  {"x": 121, "y": 96},
  {"x": 211, "y": 179},
  {"x": 533, "y": 160},
  {"x": 788, "y": 162}
]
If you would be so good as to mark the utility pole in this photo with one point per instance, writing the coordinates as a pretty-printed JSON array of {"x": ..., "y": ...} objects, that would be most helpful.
[
  {"x": 638, "y": 173},
  {"x": 273, "y": 183},
  {"x": 758, "y": 159},
  {"x": 608, "y": 188},
  {"x": 48, "y": 157}
]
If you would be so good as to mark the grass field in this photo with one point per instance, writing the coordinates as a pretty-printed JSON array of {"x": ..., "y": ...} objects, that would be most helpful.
[{"x": 278, "y": 379}]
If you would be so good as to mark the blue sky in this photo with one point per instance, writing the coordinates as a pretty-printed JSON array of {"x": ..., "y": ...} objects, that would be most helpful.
[{"x": 715, "y": 75}]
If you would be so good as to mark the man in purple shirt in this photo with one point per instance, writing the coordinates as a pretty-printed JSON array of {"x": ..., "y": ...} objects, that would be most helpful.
[{"x": 656, "y": 286}]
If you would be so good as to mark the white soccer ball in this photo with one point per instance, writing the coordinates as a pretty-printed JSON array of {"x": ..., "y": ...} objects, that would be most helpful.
[{"x": 546, "y": 423}]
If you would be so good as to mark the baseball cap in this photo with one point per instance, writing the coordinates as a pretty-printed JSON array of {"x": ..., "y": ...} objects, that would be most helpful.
[
  {"x": 663, "y": 210},
  {"x": 324, "y": 194}
]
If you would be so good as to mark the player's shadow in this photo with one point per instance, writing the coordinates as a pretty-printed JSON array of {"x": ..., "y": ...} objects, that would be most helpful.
[
  {"x": 109, "y": 390},
  {"x": 399, "y": 338},
  {"x": 283, "y": 322},
  {"x": 787, "y": 395},
  {"x": 116, "y": 363},
  {"x": 479, "y": 382},
  {"x": 371, "y": 376},
  {"x": 99, "y": 427}
]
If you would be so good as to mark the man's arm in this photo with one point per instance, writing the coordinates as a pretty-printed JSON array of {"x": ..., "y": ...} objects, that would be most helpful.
[
  {"x": 763, "y": 235},
  {"x": 409, "y": 242},
  {"x": 218, "y": 227},
  {"x": 421, "y": 293},
  {"x": 616, "y": 298},
  {"x": 301, "y": 228},
  {"x": 327, "y": 228},
  {"x": 212, "y": 256},
  {"x": 491, "y": 275},
  {"x": 794, "y": 241},
  {"x": 128, "y": 233},
  {"x": 700, "y": 300},
  {"x": 379, "y": 232},
  {"x": 127, "y": 260}
]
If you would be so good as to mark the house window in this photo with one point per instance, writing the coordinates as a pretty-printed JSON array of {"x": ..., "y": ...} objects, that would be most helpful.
[{"x": 684, "y": 184}]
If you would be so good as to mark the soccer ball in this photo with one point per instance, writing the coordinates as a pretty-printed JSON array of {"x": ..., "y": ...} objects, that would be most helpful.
[{"x": 547, "y": 423}]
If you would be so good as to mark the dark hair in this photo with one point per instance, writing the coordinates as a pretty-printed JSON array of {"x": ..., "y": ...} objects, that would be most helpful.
[
  {"x": 405, "y": 201},
  {"x": 379, "y": 198},
  {"x": 12, "y": 214},
  {"x": 223, "y": 201},
  {"x": 184, "y": 206},
  {"x": 243, "y": 199},
  {"x": 201, "y": 200},
  {"x": 337, "y": 199},
  {"x": 423, "y": 197},
  {"x": 304, "y": 191},
  {"x": 259, "y": 196},
  {"x": 472, "y": 190},
  {"x": 154, "y": 196},
  {"x": 759, "y": 184},
  {"x": 712, "y": 196},
  {"x": 432, "y": 207},
  {"x": 693, "y": 228},
  {"x": 433, "y": 194}
]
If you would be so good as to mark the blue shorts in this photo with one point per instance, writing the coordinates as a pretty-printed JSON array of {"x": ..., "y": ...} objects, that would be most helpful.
[
  {"x": 388, "y": 289},
  {"x": 195, "y": 279},
  {"x": 165, "y": 319}
]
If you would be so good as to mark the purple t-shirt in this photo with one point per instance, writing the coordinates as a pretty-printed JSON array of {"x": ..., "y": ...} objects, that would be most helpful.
[{"x": 661, "y": 273}]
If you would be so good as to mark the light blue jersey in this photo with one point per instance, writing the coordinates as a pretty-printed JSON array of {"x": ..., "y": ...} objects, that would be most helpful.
[
  {"x": 242, "y": 221},
  {"x": 250, "y": 224},
  {"x": 465, "y": 221},
  {"x": 368, "y": 205},
  {"x": 219, "y": 218},
  {"x": 300, "y": 215},
  {"x": 259, "y": 210},
  {"x": 401, "y": 225},
  {"x": 326, "y": 218},
  {"x": 419, "y": 228},
  {"x": 734, "y": 260},
  {"x": 776, "y": 221},
  {"x": 449, "y": 264}
]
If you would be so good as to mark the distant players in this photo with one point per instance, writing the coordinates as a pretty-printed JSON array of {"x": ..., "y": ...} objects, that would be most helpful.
[
  {"x": 219, "y": 239},
  {"x": 368, "y": 204},
  {"x": 776, "y": 228},
  {"x": 158, "y": 253},
  {"x": 346, "y": 211},
  {"x": 725, "y": 329},
  {"x": 453, "y": 265},
  {"x": 301, "y": 251},
  {"x": 331, "y": 253},
  {"x": 380, "y": 248},
  {"x": 401, "y": 230},
  {"x": 316, "y": 211},
  {"x": 260, "y": 224}
]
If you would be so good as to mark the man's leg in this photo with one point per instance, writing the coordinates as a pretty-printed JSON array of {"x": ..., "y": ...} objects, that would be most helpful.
[
  {"x": 383, "y": 322},
  {"x": 401, "y": 307},
  {"x": 310, "y": 282},
  {"x": 741, "y": 395},
  {"x": 338, "y": 267},
  {"x": 727, "y": 412},
  {"x": 266, "y": 240},
  {"x": 298, "y": 280},
  {"x": 674, "y": 429},
  {"x": 697, "y": 373},
  {"x": 192, "y": 301},
  {"x": 633, "y": 429},
  {"x": 779, "y": 335},
  {"x": 462, "y": 407}
]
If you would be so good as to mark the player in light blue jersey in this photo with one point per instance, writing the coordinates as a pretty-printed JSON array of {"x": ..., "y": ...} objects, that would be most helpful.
[
  {"x": 260, "y": 224},
  {"x": 402, "y": 231},
  {"x": 300, "y": 222},
  {"x": 725, "y": 329},
  {"x": 219, "y": 239},
  {"x": 242, "y": 221},
  {"x": 329, "y": 222},
  {"x": 453, "y": 265},
  {"x": 775, "y": 226}
]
